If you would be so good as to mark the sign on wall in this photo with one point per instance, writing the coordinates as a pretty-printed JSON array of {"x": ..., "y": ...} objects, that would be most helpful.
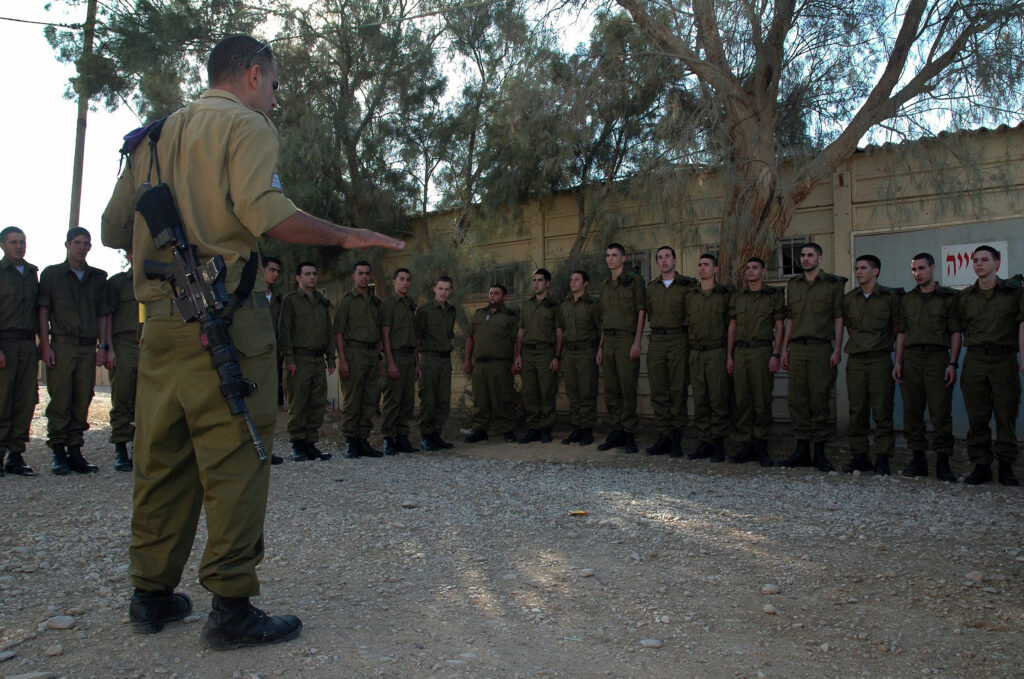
[{"x": 956, "y": 266}]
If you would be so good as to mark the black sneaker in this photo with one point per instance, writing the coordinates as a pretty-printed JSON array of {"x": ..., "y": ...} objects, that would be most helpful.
[
  {"x": 150, "y": 611},
  {"x": 235, "y": 623}
]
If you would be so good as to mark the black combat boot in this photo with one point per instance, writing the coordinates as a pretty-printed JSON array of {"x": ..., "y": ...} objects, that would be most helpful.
[
  {"x": 586, "y": 436},
  {"x": 943, "y": 472},
  {"x": 477, "y": 435},
  {"x": 530, "y": 436},
  {"x": 801, "y": 457},
  {"x": 748, "y": 453},
  {"x": 427, "y": 444},
  {"x": 352, "y": 447},
  {"x": 276, "y": 459},
  {"x": 510, "y": 436},
  {"x": 704, "y": 449},
  {"x": 675, "y": 448},
  {"x": 16, "y": 465},
  {"x": 918, "y": 465},
  {"x": 718, "y": 450},
  {"x": 763, "y": 458},
  {"x": 78, "y": 463},
  {"x": 614, "y": 440},
  {"x": 444, "y": 445},
  {"x": 660, "y": 447},
  {"x": 820, "y": 461},
  {"x": 235, "y": 623},
  {"x": 1006, "y": 476},
  {"x": 314, "y": 453},
  {"x": 882, "y": 465},
  {"x": 299, "y": 453},
  {"x": 858, "y": 463},
  {"x": 60, "y": 465},
  {"x": 982, "y": 473},
  {"x": 122, "y": 462},
  {"x": 545, "y": 435},
  {"x": 629, "y": 442},
  {"x": 390, "y": 446},
  {"x": 368, "y": 450},
  {"x": 150, "y": 611},
  {"x": 405, "y": 445},
  {"x": 573, "y": 437}
]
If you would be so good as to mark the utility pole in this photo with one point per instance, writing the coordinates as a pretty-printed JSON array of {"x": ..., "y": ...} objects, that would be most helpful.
[{"x": 83, "y": 111}]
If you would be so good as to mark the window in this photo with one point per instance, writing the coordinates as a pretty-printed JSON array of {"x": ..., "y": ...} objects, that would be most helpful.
[
  {"x": 784, "y": 262},
  {"x": 639, "y": 262}
]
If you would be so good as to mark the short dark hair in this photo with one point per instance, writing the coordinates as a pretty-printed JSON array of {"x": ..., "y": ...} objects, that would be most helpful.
[
  {"x": 501, "y": 287},
  {"x": 586, "y": 276},
  {"x": 926, "y": 257},
  {"x": 543, "y": 272},
  {"x": 298, "y": 269},
  {"x": 444, "y": 278},
  {"x": 708, "y": 255},
  {"x": 267, "y": 259},
  {"x": 875, "y": 262},
  {"x": 76, "y": 231},
  {"x": 361, "y": 262},
  {"x": 814, "y": 246},
  {"x": 617, "y": 246},
  {"x": 987, "y": 248},
  {"x": 8, "y": 231},
  {"x": 758, "y": 260},
  {"x": 233, "y": 56},
  {"x": 399, "y": 270},
  {"x": 665, "y": 247}
]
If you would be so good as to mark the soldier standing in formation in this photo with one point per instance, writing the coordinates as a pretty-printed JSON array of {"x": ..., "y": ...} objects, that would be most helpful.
[
  {"x": 623, "y": 313},
  {"x": 489, "y": 349},
  {"x": 756, "y": 319},
  {"x": 538, "y": 352},
  {"x": 122, "y": 361},
  {"x": 581, "y": 329},
  {"x": 398, "y": 336},
  {"x": 357, "y": 331},
  {"x": 435, "y": 331},
  {"x": 19, "y": 322},
  {"x": 927, "y": 352},
  {"x": 305, "y": 345},
  {"x": 668, "y": 353}
]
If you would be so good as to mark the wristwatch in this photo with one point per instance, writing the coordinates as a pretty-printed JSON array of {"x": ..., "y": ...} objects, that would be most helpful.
[{"x": 103, "y": 346}]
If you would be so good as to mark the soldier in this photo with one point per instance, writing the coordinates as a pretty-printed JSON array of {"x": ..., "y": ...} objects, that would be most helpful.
[
  {"x": 305, "y": 346},
  {"x": 870, "y": 313},
  {"x": 72, "y": 342},
  {"x": 668, "y": 353},
  {"x": 218, "y": 156},
  {"x": 435, "y": 331},
  {"x": 581, "y": 330},
  {"x": 398, "y": 335},
  {"x": 990, "y": 313},
  {"x": 707, "y": 316},
  {"x": 357, "y": 332},
  {"x": 489, "y": 348},
  {"x": 271, "y": 272},
  {"x": 19, "y": 322},
  {"x": 756, "y": 318},
  {"x": 122, "y": 362},
  {"x": 810, "y": 352},
  {"x": 927, "y": 353},
  {"x": 538, "y": 354},
  {"x": 623, "y": 313}
]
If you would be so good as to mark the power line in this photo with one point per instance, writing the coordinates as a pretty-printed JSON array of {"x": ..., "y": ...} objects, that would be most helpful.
[{"x": 42, "y": 23}]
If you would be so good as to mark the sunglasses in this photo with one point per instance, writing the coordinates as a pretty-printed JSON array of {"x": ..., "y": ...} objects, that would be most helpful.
[{"x": 248, "y": 65}]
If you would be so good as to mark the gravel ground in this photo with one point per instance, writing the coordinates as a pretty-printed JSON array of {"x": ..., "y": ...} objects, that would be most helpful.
[{"x": 469, "y": 564}]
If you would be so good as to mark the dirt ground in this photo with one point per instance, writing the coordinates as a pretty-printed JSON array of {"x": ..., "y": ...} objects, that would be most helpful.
[{"x": 469, "y": 564}]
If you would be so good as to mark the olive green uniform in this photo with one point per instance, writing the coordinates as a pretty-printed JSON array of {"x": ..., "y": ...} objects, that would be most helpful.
[
  {"x": 19, "y": 323},
  {"x": 668, "y": 352},
  {"x": 707, "y": 317},
  {"x": 435, "y": 331},
  {"x": 927, "y": 323},
  {"x": 871, "y": 323},
  {"x": 539, "y": 321},
  {"x": 494, "y": 335},
  {"x": 191, "y": 453},
  {"x": 398, "y": 314},
  {"x": 274, "y": 300},
  {"x": 811, "y": 308},
  {"x": 621, "y": 302},
  {"x": 307, "y": 342},
  {"x": 990, "y": 380},
  {"x": 75, "y": 310},
  {"x": 124, "y": 331},
  {"x": 756, "y": 315},
  {"x": 581, "y": 331},
  {"x": 358, "y": 323}
]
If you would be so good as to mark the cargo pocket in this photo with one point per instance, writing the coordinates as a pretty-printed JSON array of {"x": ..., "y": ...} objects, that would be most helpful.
[{"x": 252, "y": 332}]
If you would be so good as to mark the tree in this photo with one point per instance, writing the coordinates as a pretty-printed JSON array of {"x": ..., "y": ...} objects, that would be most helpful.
[{"x": 783, "y": 90}]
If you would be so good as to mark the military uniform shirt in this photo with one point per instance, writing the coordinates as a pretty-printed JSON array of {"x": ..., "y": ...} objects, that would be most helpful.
[
  {"x": 398, "y": 314},
  {"x": 124, "y": 310},
  {"x": 622, "y": 300},
  {"x": 581, "y": 319},
  {"x": 305, "y": 325},
  {"x": 871, "y": 320},
  {"x": 990, "y": 318},
  {"x": 75, "y": 305},
  {"x": 707, "y": 315},
  {"x": 358, "y": 318},
  {"x": 813, "y": 306},
  {"x": 539, "y": 319},
  {"x": 755, "y": 314},
  {"x": 494, "y": 333},
  {"x": 435, "y": 326},
  {"x": 928, "y": 318},
  {"x": 666, "y": 306},
  {"x": 18, "y": 293}
]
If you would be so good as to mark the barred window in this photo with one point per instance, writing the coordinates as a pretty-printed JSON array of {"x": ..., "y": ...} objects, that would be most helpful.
[{"x": 784, "y": 262}]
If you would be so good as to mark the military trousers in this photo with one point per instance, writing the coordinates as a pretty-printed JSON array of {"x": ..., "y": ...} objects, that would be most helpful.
[
  {"x": 580, "y": 373},
  {"x": 539, "y": 387},
  {"x": 493, "y": 393},
  {"x": 70, "y": 384},
  {"x": 399, "y": 396},
  {"x": 19, "y": 393},
  {"x": 870, "y": 388},
  {"x": 191, "y": 453},
  {"x": 668, "y": 371},
  {"x": 620, "y": 382},
  {"x": 754, "y": 383},
  {"x": 710, "y": 381},
  {"x": 924, "y": 385},
  {"x": 307, "y": 398},
  {"x": 810, "y": 391},
  {"x": 361, "y": 391},
  {"x": 435, "y": 392},
  {"x": 991, "y": 388},
  {"x": 123, "y": 381}
]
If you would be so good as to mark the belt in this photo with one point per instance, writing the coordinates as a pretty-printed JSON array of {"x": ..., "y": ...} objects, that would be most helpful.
[
  {"x": 442, "y": 354},
  {"x": 707, "y": 347},
  {"x": 165, "y": 307},
  {"x": 538, "y": 345},
  {"x": 936, "y": 348},
  {"x": 491, "y": 359},
  {"x": 403, "y": 350},
  {"x": 753, "y": 345},
  {"x": 309, "y": 352},
  {"x": 579, "y": 346},
  {"x": 613, "y": 332},
  {"x": 992, "y": 351},
  {"x": 871, "y": 354},
  {"x": 17, "y": 335},
  {"x": 70, "y": 339},
  {"x": 669, "y": 331},
  {"x": 809, "y": 340},
  {"x": 357, "y": 343}
]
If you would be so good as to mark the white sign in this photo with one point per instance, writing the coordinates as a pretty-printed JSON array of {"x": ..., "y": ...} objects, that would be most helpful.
[{"x": 956, "y": 266}]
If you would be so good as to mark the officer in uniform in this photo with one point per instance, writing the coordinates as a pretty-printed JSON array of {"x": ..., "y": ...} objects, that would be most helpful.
[
  {"x": 623, "y": 314},
  {"x": 756, "y": 319},
  {"x": 357, "y": 332},
  {"x": 707, "y": 316},
  {"x": 398, "y": 336},
  {"x": 19, "y": 393},
  {"x": 489, "y": 349},
  {"x": 306, "y": 344},
  {"x": 72, "y": 321},
  {"x": 810, "y": 352},
  {"x": 271, "y": 272},
  {"x": 927, "y": 352},
  {"x": 870, "y": 313},
  {"x": 538, "y": 354},
  {"x": 581, "y": 330},
  {"x": 218, "y": 156},
  {"x": 122, "y": 362},
  {"x": 435, "y": 331},
  {"x": 991, "y": 312},
  {"x": 668, "y": 353}
]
